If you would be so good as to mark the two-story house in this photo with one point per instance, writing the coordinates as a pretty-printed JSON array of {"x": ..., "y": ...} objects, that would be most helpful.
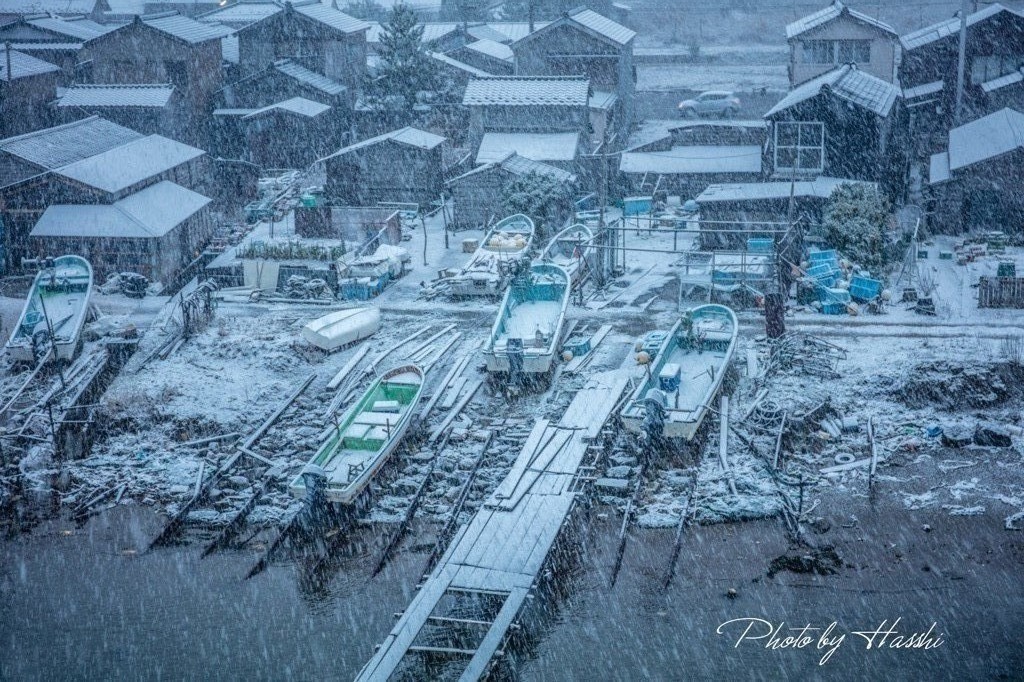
[{"x": 839, "y": 35}]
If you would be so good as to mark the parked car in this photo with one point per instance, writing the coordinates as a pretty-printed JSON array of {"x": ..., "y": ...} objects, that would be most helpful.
[{"x": 714, "y": 102}]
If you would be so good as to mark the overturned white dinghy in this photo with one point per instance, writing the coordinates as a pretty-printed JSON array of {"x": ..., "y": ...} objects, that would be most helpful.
[{"x": 342, "y": 328}]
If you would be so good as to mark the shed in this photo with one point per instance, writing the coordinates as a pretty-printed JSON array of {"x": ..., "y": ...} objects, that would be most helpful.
[
  {"x": 148, "y": 108},
  {"x": 526, "y": 104},
  {"x": 557, "y": 149},
  {"x": 27, "y": 86},
  {"x": 688, "y": 170}
]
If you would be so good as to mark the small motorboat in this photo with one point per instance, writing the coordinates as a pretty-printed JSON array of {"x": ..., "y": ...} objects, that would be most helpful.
[
  {"x": 571, "y": 250},
  {"x": 493, "y": 263},
  {"x": 54, "y": 311}
]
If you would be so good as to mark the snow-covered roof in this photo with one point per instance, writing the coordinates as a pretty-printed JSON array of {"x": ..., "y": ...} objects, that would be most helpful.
[
  {"x": 943, "y": 29},
  {"x": 694, "y": 160},
  {"x": 47, "y": 47},
  {"x": 184, "y": 28},
  {"x": 332, "y": 17},
  {"x": 431, "y": 31},
  {"x": 519, "y": 165},
  {"x": 821, "y": 188},
  {"x": 492, "y": 48},
  {"x": 296, "y": 105},
  {"x": 923, "y": 90},
  {"x": 602, "y": 25},
  {"x": 461, "y": 66},
  {"x": 66, "y": 7},
  {"x": 527, "y": 91},
  {"x": 847, "y": 82},
  {"x": 409, "y": 136},
  {"x": 325, "y": 14},
  {"x": 938, "y": 170},
  {"x": 830, "y": 13},
  {"x": 536, "y": 146},
  {"x": 22, "y": 65},
  {"x": 52, "y": 148},
  {"x": 119, "y": 168},
  {"x": 147, "y": 214},
  {"x": 986, "y": 138},
  {"x": 116, "y": 96},
  {"x": 240, "y": 14},
  {"x": 1003, "y": 81},
  {"x": 82, "y": 29},
  {"x": 311, "y": 78},
  {"x": 602, "y": 100}
]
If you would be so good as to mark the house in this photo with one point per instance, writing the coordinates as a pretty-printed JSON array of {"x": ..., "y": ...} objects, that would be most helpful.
[
  {"x": 283, "y": 79},
  {"x": 457, "y": 74},
  {"x": 478, "y": 196},
  {"x": 527, "y": 104},
  {"x": 976, "y": 184},
  {"x": 27, "y": 86},
  {"x": 561, "y": 150},
  {"x": 837, "y": 35},
  {"x": 58, "y": 40},
  {"x": 164, "y": 48},
  {"x": 403, "y": 165},
  {"x": 319, "y": 37},
  {"x": 582, "y": 42},
  {"x": 90, "y": 161},
  {"x": 437, "y": 37},
  {"x": 150, "y": 109},
  {"x": 92, "y": 9},
  {"x": 156, "y": 231},
  {"x": 292, "y": 133},
  {"x": 486, "y": 54},
  {"x": 843, "y": 124},
  {"x": 993, "y": 79}
]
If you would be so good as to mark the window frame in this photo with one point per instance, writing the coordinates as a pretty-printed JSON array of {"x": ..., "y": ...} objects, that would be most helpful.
[{"x": 798, "y": 149}]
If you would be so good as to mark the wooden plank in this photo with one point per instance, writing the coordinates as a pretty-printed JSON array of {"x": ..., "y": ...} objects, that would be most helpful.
[
  {"x": 446, "y": 650},
  {"x": 753, "y": 370},
  {"x": 441, "y": 352},
  {"x": 526, "y": 454},
  {"x": 778, "y": 441},
  {"x": 372, "y": 368},
  {"x": 430, "y": 340},
  {"x": 349, "y": 366},
  {"x": 874, "y": 451},
  {"x": 454, "y": 371},
  {"x": 265, "y": 426},
  {"x": 456, "y": 410},
  {"x": 723, "y": 442},
  {"x": 577, "y": 363},
  {"x": 866, "y": 462},
  {"x": 478, "y": 665},
  {"x": 453, "y": 393}
]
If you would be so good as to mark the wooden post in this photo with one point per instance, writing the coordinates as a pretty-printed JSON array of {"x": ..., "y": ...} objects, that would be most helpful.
[
  {"x": 723, "y": 443},
  {"x": 778, "y": 441},
  {"x": 874, "y": 453}
]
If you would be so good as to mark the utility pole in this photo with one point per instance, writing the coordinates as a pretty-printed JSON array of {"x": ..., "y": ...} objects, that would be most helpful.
[
  {"x": 602, "y": 199},
  {"x": 961, "y": 64}
]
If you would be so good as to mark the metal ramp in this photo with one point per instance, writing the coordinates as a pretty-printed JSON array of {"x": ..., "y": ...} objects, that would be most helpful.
[{"x": 460, "y": 619}]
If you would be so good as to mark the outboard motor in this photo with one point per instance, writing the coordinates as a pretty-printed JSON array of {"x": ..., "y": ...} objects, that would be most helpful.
[
  {"x": 654, "y": 417},
  {"x": 515, "y": 360},
  {"x": 315, "y": 511}
]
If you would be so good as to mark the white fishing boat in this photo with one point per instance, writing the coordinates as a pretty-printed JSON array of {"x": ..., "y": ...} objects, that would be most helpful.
[
  {"x": 492, "y": 264},
  {"x": 54, "y": 311},
  {"x": 570, "y": 249},
  {"x": 685, "y": 375},
  {"x": 367, "y": 435},
  {"x": 342, "y": 327},
  {"x": 527, "y": 333}
]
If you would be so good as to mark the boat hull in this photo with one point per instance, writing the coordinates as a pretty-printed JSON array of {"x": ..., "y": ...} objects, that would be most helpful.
[
  {"x": 342, "y": 328},
  {"x": 532, "y": 364},
  {"x": 59, "y": 302},
  {"x": 483, "y": 274},
  {"x": 555, "y": 253}
]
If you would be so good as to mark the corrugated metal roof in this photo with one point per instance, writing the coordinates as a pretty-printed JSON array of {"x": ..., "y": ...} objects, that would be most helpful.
[
  {"x": 295, "y": 105},
  {"x": 1003, "y": 81},
  {"x": 527, "y": 91},
  {"x": 513, "y": 30},
  {"x": 821, "y": 188},
  {"x": 116, "y": 96},
  {"x": 148, "y": 214},
  {"x": 431, "y": 31},
  {"x": 240, "y": 14},
  {"x": 462, "y": 66},
  {"x": 519, "y": 165},
  {"x": 23, "y": 65},
  {"x": 833, "y": 11},
  {"x": 183, "y": 28},
  {"x": 485, "y": 32},
  {"x": 81, "y": 29},
  {"x": 986, "y": 138},
  {"x": 331, "y": 17},
  {"x": 846, "y": 82},
  {"x": 59, "y": 146},
  {"x": 47, "y": 47},
  {"x": 119, "y": 168},
  {"x": 310, "y": 78},
  {"x": 535, "y": 146},
  {"x": 943, "y": 29},
  {"x": 923, "y": 90},
  {"x": 410, "y": 136},
  {"x": 492, "y": 48},
  {"x": 694, "y": 160},
  {"x": 938, "y": 169},
  {"x": 604, "y": 26}
]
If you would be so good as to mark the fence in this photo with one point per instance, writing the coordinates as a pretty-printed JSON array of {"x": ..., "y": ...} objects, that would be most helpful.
[{"x": 1001, "y": 292}]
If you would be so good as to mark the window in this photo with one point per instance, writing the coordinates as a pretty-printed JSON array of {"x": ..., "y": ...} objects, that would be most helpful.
[
  {"x": 856, "y": 51},
  {"x": 799, "y": 146},
  {"x": 984, "y": 69},
  {"x": 177, "y": 73},
  {"x": 836, "y": 51},
  {"x": 819, "y": 52}
]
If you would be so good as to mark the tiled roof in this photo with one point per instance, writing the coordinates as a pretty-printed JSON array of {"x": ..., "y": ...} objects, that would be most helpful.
[
  {"x": 310, "y": 78},
  {"x": 147, "y": 214},
  {"x": 331, "y": 17},
  {"x": 527, "y": 91},
  {"x": 535, "y": 146},
  {"x": 943, "y": 29},
  {"x": 117, "y": 169},
  {"x": 412, "y": 137},
  {"x": 82, "y": 29},
  {"x": 1003, "y": 81},
  {"x": 295, "y": 105},
  {"x": 491, "y": 48},
  {"x": 183, "y": 28},
  {"x": 518, "y": 165},
  {"x": 462, "y": 66},
  {"x": 833, "y": 11},
  {"x": 846, "y": 82},
  {"x": 22, "y": 65},
  {"x": 116, "y": 96},
  {"x": 986, "y": 138},
  {"x": 53, "y": 148},
  {"x": 604, "y": 26}
]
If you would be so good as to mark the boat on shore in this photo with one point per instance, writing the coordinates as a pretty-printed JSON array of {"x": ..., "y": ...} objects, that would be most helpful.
[
  {"x": 498, "y": 256},
  {"x": 342, "y": 327},
  {"x": 570, "y": 249},
  {"x": 685, "y": 375},
  {"x": 54, "y": 311},
  {"x": 528, "y": 330},
  {"x": 365, "y": 438}
]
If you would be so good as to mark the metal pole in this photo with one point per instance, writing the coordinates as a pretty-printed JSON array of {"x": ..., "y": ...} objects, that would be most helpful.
[
  {"x": 53, "y": 341},
  {"x": 961, "y": 63}
]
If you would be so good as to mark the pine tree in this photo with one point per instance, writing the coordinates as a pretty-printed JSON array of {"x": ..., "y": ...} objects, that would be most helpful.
[{"x": 404, "y": 69}]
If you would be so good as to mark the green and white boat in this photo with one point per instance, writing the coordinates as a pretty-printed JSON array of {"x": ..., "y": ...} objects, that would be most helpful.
[
  {"x": 367, "y": 435},
  {"x": 54, "y": 312}
]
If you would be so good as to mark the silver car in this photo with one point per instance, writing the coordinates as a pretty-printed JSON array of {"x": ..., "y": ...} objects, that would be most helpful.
[{"x": 714, "y": 102}]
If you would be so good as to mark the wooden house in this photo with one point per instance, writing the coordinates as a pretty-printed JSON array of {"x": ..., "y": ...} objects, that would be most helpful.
[
  {"x": 292, "y": 133},
  {"x": 478, "y": 196},
  {"x": 58, "y": 40},
  {"x": 582, "y": 42},
  {"x": 993, "y": 75},
  {"x": 838, "y": 35},
  {"x": 488, "y": 55},
  {"x": 404, "y": 165},
  {"x": 843, "y": 123},
  {"x": 150, "y": 109},
  {"x": 976, "y": 183},
  {"x": 27, "y": 86}
]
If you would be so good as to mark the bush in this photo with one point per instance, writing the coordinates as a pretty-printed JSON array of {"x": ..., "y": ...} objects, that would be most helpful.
[{"x": 857, "y": 223}]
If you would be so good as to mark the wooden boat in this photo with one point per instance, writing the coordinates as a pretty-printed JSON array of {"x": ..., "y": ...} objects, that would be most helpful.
[
  {"x": 685, "y": 375},
  {"x": 56, "y": 305},
  {"x": 366, "y": 436},
  {"x": 527, "y": 333},
  {"x": 569, "y": 250},
  {"x": 491, "y": 265},
  {"x": 342, "y": 327}
]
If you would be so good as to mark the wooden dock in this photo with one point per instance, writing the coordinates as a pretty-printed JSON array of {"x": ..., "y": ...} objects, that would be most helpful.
[{"x": 463, "y": 612}]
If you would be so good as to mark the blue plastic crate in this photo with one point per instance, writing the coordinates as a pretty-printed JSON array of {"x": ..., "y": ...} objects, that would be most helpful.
[
  {"x": 824, "y": 274},
  {"x": 760, "y": 245},
  {"x": 865, "y": 288},
  {"x": 825, "y": 255}
]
